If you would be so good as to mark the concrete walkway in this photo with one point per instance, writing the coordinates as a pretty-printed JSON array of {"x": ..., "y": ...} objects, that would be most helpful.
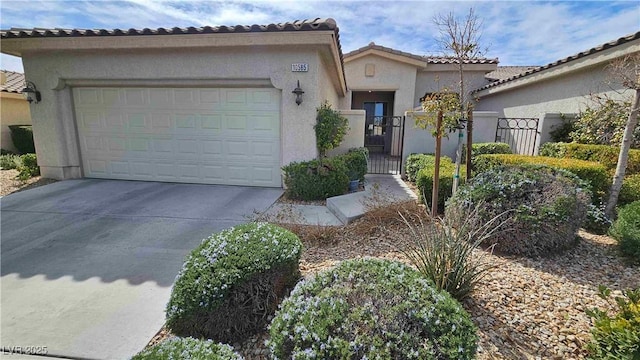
[
  {"x": 341, "y": 210},
  {"x": 87, "y": 265}
]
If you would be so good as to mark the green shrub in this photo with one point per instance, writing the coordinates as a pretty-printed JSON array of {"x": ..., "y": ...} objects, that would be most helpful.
[
  {"x": 187, "y": 348},
  {"x": 356, "y": 162},
  {"x": 8, "y": 162},
  {"x": 626, "y": 229},
  {"x": 233, "y": 281},
  {"x": 28, "y": 167},
  {"x": 604, "y": 124},
  {"x": 371, "y": 309},
  {"x": 562, "y": 132},
  {"x": 445, "y": 256},
  {"x": 6, "y": 152},
  {"x": 424, "y": 182},
  {"x": 312, "y": 180},
  {"x": 618, "y": 336},
  {"x": 417, "y": 162},
  {"x": 331, "y": 127},
  {"x": 547, "y": 207},
  {"x": 593, "y": 173},
  {"x": 597, "y": 221},
  {"x": 486, "y": 148},
  {"x": 630, "y": 190},
  {"x": 22, "y": 137},
  {"x": 604, "y": 154}
]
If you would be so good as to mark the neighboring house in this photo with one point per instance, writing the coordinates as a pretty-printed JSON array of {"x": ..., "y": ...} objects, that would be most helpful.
[
  {"x": 14, "y": 109},
  {"x": 215, "y": 105},
  {"x": 563, "y": 87}
]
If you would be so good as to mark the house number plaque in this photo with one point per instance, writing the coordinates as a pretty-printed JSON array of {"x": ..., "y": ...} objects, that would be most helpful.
[{"x": 299, "y": 67}]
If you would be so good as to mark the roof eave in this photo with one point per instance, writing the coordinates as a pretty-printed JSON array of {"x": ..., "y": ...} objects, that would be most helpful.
[
  {"x": 594, "y": 59},
  {"x": 395, "y": 57}
]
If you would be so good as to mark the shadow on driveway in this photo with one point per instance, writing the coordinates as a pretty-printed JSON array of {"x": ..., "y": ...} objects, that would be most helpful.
[{"x": 87, "y": 265}]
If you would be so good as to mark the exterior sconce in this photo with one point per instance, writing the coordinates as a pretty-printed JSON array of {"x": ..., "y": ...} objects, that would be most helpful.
[
  {"x": 298, "y": 91},
  {"x": 30, "y": 93}
]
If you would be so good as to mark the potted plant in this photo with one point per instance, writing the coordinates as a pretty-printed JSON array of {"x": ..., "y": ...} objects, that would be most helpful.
[{"x": 354, "y": 180}]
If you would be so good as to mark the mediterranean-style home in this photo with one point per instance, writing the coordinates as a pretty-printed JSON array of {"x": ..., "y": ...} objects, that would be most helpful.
[
  {"x": 14, "y": 109},
  {"x": 232, "y": 105}
]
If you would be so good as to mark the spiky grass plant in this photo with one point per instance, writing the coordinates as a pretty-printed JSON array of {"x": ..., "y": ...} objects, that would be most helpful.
[{"x": 445, "y": 254}]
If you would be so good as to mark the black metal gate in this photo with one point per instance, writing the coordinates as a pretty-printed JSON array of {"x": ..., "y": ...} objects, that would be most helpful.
[
  {"x": 520, "y": 133},
  {"x": 384, "y": 138}
]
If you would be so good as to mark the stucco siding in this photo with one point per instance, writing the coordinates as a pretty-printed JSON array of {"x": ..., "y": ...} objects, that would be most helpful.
[
  {"x": 14, "y": 110},
  {"x": 326, "y": 89},
  {"x": 431, "y": 81},
  {"x": 568, "y": 94},
  {"x": 418, "y": 140},
  {"x": 388, "y": 75},
  {"x": 54, "y": 74}
]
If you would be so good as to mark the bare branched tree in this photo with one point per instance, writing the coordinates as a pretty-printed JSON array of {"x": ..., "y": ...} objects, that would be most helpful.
[
  {"x": 626, "y": 72},
  {"x": 460, "y": 39}
]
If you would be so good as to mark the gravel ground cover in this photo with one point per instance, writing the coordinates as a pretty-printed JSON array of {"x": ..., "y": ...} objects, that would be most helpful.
[
  {"x": 524, "y": 308},
  {"x": 10, "y": 184}
]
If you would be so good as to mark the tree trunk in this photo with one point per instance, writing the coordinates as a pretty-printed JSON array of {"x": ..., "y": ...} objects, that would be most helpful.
[
  {"x": 436, "y": 170},
  {"x": 462, "y": 99},
  {"x": 469, "y": 140},
  {"x": 623, "y": 157}
]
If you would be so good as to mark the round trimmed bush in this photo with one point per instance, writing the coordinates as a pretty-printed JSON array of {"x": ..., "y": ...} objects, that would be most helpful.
[
  {"x": 626, "y": 229},
  {"x": 371, "y": 309},
  {"x": 230, "y": 284},
  {"x": 545, "y": 207},
  {"x": 187, "y": 348}
]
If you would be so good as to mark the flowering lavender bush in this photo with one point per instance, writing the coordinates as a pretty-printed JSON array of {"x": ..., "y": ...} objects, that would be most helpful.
[
  {"x": 233, "y": 281},
  {"x": 186, "y": 349},
  {"x": 547, "y": 207},
  {"x": 371, "y": 309}
]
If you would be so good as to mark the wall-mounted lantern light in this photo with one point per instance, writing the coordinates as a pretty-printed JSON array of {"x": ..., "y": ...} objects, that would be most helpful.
[
  {"x": 298, "y": 91},
  {"x": 30, "y": 93}
]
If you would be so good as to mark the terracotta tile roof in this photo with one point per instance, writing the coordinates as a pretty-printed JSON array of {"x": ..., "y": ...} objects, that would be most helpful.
[
  {"x": 505, "y": 72},
  {"x": 317, "y": 24},
  {"x": 11, "y": 81},
  {"x": 427, "y": 59},
  {"x": 602, "y": 47},
  {"x": 298, "y": 25}
]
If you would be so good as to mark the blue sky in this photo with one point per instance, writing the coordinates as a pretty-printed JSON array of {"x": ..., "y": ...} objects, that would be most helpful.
[{"x": 516, "y": 32}]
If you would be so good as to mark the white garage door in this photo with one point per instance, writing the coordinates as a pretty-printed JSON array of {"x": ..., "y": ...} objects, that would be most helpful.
[{"x": 210, "y": 136}]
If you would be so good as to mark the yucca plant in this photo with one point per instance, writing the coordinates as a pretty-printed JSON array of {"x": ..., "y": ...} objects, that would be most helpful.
[{"x": 444, "y": 254}]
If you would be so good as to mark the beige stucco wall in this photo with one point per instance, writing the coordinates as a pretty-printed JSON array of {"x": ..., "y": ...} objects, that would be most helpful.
[
  {"x": 434, "y": 79},
  {"x": 355, "y": 136},
  {"x": 568, "y": 93},
  {"x": 418, "y": 140},
  {"x": 55, "y": 73},
  {"x": 14, "y": 110},
  {"x": 389, "y": 75}
]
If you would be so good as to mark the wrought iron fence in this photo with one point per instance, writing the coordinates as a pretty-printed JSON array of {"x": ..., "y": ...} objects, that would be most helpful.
[
  {"x": 520, "y": 133},
  {"x": 384, "y": 138}
]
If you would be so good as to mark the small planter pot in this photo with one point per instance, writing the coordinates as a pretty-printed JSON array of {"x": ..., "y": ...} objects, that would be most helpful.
[{"x": 354, "y": 185}]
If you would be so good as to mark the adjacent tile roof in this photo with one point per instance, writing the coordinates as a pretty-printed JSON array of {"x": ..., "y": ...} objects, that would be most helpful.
[
  {"x": 428, "y": 59},
  {"x": 298, "y": 25},
  {"x": 505, "y": 72},
  {"x": 602, "y": 47},
  {"x": 12, "y": 81}
]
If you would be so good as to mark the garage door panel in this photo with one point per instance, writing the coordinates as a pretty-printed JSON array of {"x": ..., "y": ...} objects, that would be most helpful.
[
  {"x": 136, "y": 98},
  {"x": 210, "y": 136}
]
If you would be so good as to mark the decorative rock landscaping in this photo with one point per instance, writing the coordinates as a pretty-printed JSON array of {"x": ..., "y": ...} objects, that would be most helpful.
[{"x": 524, "y": 308}]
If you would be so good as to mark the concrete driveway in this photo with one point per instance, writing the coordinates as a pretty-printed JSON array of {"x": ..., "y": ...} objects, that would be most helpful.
[{"x": 87, "y": 265}]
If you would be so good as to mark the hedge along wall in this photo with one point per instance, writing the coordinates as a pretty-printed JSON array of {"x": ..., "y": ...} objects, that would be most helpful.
[
  {"x": 595, "y": 174},
  {"x": 603, "y": 154}
]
